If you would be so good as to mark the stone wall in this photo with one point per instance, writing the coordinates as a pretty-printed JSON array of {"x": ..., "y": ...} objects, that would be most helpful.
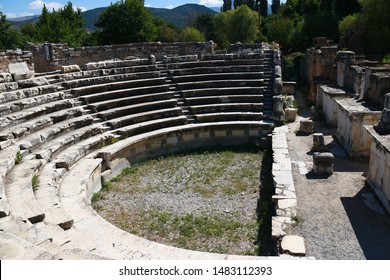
[
  {"x": 378, "y": 176},
  {"x": 14, "y": 56},
  {"x": 320, "y": 64},
  {"x": 50, "y": 57}
]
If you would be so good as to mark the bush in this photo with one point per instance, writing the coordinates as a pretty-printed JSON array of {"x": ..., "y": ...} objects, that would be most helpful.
[{"x": 191, "y": 34}]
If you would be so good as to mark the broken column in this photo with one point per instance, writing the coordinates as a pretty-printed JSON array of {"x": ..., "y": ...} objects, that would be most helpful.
[
  {"x": 344, "y": 60},
  {"x": 383, "y": 126},
  {"x": 318, "y": 142},
  {"x": 323, "y": 163},
  {"x": 306, "y": 126}
]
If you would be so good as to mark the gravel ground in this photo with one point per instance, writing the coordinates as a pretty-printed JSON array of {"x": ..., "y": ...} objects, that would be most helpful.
[
  {"x": 339, "y": 216},
  {"x": 220, "y": 188}
]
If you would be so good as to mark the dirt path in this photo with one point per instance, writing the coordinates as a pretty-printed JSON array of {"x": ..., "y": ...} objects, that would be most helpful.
[{"x": 339, "y": 216}]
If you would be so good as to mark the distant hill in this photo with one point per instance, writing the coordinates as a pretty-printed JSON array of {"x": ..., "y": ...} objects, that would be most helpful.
[{"x": 179, "y": 16}]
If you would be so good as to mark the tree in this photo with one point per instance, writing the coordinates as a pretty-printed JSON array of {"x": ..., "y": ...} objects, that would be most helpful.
[
  {"x": 227, "y": 5},
  {"x": 64, "y": 25},
  {"x": 279, "y": 29},
  {"x": 191, "y": 34},
  {"x": 275, "y": 6},
  {"x": 239, "y": 25},
  {"x": 263, "y": 8},
  {"x": 166, "y": 32},
  {"x": 205, "y": 24},
  {"x": 10, "y": 38},
  {"x": 375, "y": 19},
  {"x": 126, "y": 21}
]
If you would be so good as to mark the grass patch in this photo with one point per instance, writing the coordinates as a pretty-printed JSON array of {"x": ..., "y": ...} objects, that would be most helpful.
[
  {"x": 35, "y": 182},
  {"x": 19, "y": 158},
  {"x": 143, "y": 201}
]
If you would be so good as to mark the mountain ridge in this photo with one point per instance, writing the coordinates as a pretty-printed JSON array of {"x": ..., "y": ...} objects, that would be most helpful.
[{"x": 179, "y": 16}]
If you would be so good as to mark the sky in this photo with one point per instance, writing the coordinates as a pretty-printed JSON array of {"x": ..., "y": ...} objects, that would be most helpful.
[{"x": 20, "y": 8}]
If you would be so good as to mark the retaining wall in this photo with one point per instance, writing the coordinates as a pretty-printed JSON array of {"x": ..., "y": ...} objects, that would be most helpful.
[{"x": 50, "y": 57}]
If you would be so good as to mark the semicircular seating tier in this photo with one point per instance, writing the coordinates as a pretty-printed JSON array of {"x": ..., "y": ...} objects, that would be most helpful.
[{"x": 61, "y": 135}]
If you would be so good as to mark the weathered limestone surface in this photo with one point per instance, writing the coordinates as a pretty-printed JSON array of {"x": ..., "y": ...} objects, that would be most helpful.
[
  {"x": 306, "y": 126},
  {"x": 352, "y": 116},
  {"x": 329, "y": 106},
  {"x": 323, "y": 163},
  {"x": 295, "y": 245},
  {"x": 378, "y": 176}
]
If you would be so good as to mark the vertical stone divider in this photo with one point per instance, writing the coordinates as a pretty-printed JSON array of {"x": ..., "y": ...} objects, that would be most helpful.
[
  {"x": 285, "y": 198},
  {"x": 344, "y": 60},
  {"x": 278, "y": 112}
]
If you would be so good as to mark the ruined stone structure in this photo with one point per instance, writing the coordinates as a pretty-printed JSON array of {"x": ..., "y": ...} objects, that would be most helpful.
[
  {"x": 353, "y": 100},
  {"x": 83, "y": 118}
]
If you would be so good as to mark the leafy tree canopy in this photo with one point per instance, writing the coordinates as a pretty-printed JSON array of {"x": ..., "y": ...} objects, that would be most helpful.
[
  {"x": 126, "y": 21},
  {"x": 64, "y": 25},
  {"x": 10, "y": 38}
]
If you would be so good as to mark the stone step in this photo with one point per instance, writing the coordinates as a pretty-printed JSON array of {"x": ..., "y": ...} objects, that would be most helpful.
[
  {"x": 218, "y": 76},
  {"x": 217, "y": 69},
  {"x": 136, "y": 108},
  {"x": 204, "y": 100},
  {"x": 131, "y": 92},
  {"x": 222, "y": 91},
  {"x": 231, "y": 107},
  {"x": 18, "y": 186},
  {"x": 131, "y": 84},
  {"x": 130, "y": 100},
  {"x": 229, "y": 116},
  {"x": 58, "y": 144},
  {"x": 27, "y": 103},
  {"x": 40, "y": 123},
  {"x": 220, "y": 84},
  {"x": 25, "y": 115},
  {"x": 102, "y": 77},
  {"x": 144, "y": 116},
  {"x": 152, "y": 125},
  {"x": 36, "y": 234},
  {"x": 72, "y": 154},
  {"x": 48, "y": 197}
]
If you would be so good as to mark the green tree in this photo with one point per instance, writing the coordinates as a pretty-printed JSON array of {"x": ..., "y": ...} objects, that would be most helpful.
[
  {"x": 263, "y": 8},
  {"x": 64, "y": 25},
  {"x": 166, "y": 32},
  {"x": 191, "y": 34},
  {"x": 227, "y": 5},
  {"x": 239, "y": 25},
  {"x": 205, "y": 24},
  {"x": 376, "y": 21},
  {"x": 275, "y": 6},
  {"x": 10, "y": 38},
  {"x": 126, "y": 21},
  {"x": 279, "y": 29},
  {"x": 342, "y": 8}
]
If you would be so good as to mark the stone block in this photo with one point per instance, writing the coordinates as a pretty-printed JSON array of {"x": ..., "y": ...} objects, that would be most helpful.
[
  {"x": 323, "y": 163},
  {"x": 70, "y": 68},
  {"x": 290, "y": 114},
  {"x": 306, "y": 126},
  {"x": 293, "y": 245},
  {"x": 318, "y": 142}
]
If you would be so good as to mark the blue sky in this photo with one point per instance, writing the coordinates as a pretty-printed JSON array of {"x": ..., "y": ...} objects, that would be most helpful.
[{"x": 19, "y": 8}]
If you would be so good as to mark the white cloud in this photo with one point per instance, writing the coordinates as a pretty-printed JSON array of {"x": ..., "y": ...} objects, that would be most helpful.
[
  {"x": 211, "y": 3},
  {"x": 11, "y": 15},
  {"x": 148, "y": 5},
  {"x": 83, "y": 9},
  {"x": 171, "y": 6},
  {"x": 38, "y": 5}
]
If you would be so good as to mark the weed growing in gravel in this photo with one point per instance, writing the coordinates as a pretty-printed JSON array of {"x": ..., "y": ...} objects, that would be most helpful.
[
  {"x": 142, "y": 200},
  {"x": 19, "y": 158},
  {"x": 35, "y": 182}
]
